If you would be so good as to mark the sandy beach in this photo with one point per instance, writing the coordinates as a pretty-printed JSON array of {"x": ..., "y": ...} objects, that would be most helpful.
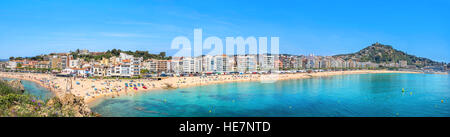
[{"x": 94, "y": 89}]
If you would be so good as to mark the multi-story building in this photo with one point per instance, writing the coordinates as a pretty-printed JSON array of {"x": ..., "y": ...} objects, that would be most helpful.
[
  {"x": 125, "y": 68},
  {"x": 223, "y": 63},
  {"x": 11, "y": 65},
  {"x": 198, "y": 64},
  {"x": 267, "y": 62},
  {"x": 176, "y": 65},
  {"x": 298, "y": 62},
  {"x": 98, "y": 71},
  {"x": 75, "y": 63},
  {"x": 123, "y": 56},
  {"x": 246, "y": 63},
  {"x": 162, "y": 66},
  {"x": 151, "y": 65},
  {"x": 188, "y": 65},
  {"x": 43, "y": 65},
  {"x": 64, "y": 61},
  {"x": 310, "y": 62},
  {"x": 55, "y": 62},
  {"x": 208, "y": 63},
  {"x": 105, "y": 62},
  {"x": 136, "y": 66}
]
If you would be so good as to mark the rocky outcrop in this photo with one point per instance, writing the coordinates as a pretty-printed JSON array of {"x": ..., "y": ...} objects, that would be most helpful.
[
  {"x": 71, "y": 105},
  {"x": 16, "y": 84},
  {"x": 168, "y": 86}
]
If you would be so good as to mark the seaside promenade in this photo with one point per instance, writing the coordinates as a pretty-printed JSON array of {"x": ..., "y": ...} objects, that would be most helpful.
[{"x": 93, "y": 89}]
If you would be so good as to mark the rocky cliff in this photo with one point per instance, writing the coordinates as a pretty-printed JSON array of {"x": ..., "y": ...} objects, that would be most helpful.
[{"x": 72, "y": 105}]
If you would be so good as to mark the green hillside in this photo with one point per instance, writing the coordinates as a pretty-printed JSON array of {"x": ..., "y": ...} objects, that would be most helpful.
[{"x": 379, "y": 53}]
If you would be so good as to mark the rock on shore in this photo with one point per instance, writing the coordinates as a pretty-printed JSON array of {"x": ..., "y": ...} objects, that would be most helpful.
[
  {"x": 15, "y": 84},
  {"x": 71, "y": 103}
]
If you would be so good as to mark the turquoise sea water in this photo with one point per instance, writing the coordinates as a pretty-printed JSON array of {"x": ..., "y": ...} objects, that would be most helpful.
[
  {"x": 35, "y": 89},
  {"x": 364, "y": 95}
]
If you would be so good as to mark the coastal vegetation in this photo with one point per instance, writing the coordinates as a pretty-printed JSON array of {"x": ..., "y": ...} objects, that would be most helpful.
[
  {"x": 16, "y": 103},
  {"x": 116, "y": 52}
]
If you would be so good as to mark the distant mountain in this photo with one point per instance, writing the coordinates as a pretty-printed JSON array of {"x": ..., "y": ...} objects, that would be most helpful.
[
  {"x": 4, "y": 60},
  {"x": 379, "y": 53}
]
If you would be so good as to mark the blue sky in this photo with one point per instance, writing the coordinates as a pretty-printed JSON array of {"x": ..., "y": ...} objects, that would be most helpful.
[{"x": 33, "y": 27}]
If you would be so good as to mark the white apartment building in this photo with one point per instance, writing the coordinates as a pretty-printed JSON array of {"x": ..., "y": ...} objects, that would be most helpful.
[
  {"x": 125, "y": 70},
  {"x": 298, "y": 62},
  {"x": 64, "y": 61},
  {"x": 130, "y": 65},
  {"x": 198, "y": 61},
  {"x": 136, "y": 66},
  {"x": 188, "y": 65},
  {"x": 267, "y": 62},
  {"x": 223, "y": 63},
  {"x": 208, "y": 63},
  {"x": 124, "y": 56},
  {"x": 176, "y": 66},
  {"x": 74, "y": 63},
  {"x": 246, "y": 63},
  {"x": 11, "y": 65}
]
